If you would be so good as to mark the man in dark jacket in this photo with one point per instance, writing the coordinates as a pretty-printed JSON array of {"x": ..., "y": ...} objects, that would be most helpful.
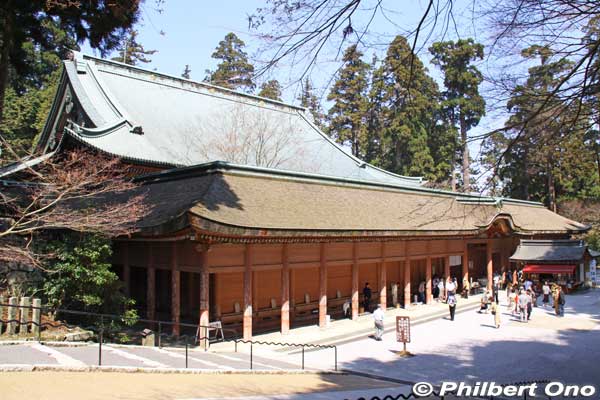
[{"x": 367, "y": 297}]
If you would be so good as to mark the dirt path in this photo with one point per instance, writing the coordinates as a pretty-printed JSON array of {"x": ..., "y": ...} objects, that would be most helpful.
[{"x": 144, "y": 386}]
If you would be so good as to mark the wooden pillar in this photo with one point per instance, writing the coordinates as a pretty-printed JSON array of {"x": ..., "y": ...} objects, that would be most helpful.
[
  {"x": 490, "y": 272},
  {"x": 126, "y": 270},
  {"x": 407, "y": 283},
  {"x": 382, "y": 285},
  {"x": 151, "y": 286},
  {"x": 248, "y": 293},
  {"x": 354, "y": 282},
  {"x": 285, "y": 291},
  {"x": 465, "y": 264},
  {"x": 446, "y": 274},
  {"x": 428, "y": 295},
  {"x": 175, "y": 291},
  {"x": 204, "y": 297},
  {"x": 322, "y": 289}
]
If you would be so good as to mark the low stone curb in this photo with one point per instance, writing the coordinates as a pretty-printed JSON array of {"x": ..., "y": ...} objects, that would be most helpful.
[{"x": 92, "y": 368}]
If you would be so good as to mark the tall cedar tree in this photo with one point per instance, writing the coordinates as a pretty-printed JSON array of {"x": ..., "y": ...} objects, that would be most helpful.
[
  {"x": 29, "y": 97},
  {"x": 271, "y": 90},
  {"x": 347, "y": 115},
  {"x": 234, "y": 71},
  {"x": 310, "y": 101},
  {"x": 461, "y": 99},
  {"x": 410, "y": 97},
  {"x": 547, "y": 154},
  {"x": 132, "y": 52},
  {"x": 100, "y": 22}
]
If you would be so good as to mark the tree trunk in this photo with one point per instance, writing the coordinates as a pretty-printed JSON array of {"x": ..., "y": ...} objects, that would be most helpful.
[
  {"x": 551, "y": 189},
  {"x": 465, "y": 149},
  {"x": 6, "y": 40}
]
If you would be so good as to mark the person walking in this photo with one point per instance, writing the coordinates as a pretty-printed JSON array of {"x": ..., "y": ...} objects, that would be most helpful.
[
  {"x": 529, "y": 304},
  {"x": 367, "y": 297},
  {"x": 378, "y": 317},
  {"x": 451, "y": 287},
  {"x": 496, "y": 314},
  {"x": 522, "y": 301},
  {"x": 546, "y": 293},
  {"x": 451, "y": 305},
  {"x": 496, "y": 288},
  {"x": 561, "y": 302},
  {"x": 436, "y": 289}
]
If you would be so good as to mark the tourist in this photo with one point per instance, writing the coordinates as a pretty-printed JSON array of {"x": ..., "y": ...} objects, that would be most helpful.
[
  {"x": 509, "y": 286},
  {"x": 367, "y": 297},
  {"x": 520, "y": 276},
  {"x": 516, "y": 310},
  {"x": 466, "y": 288},
  {"x": 561, "y": 302},
  {"x": 436, "y": 289},
  {"x": 441, "y": 289},
  {"x": 484, "y": 302},
  {"x": 534, "y": 295},
  {"x": 451, "y": 287},
  {"x": 378, "y": 317},
  {"x": 546, "y": 293},
  {"x": 451, "y": 305},
  {"x": 496, "y": 314},
  {"x": 496, "y": 288},
  {"x": 511, "y": 298},
  {"x": 523, "y": 301},
  {"x": 527, "y": 284},
  {"x": 529, "y": 304},
  {"x": 421, "y": 298}
]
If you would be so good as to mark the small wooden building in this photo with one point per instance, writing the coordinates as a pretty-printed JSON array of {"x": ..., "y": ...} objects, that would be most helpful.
[{"x": 291, "y": 227}]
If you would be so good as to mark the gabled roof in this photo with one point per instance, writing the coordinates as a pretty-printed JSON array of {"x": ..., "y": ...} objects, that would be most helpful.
[
  {"x": 153, "y": 118},
  {"x": 234, "y": 200},
  {"x": 550, "y": 251}
]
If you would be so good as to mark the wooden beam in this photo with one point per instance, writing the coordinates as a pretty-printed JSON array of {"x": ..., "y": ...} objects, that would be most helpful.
[
  {"x": 428, "y": 273},
  {"x": 285, "y": 290},
  {"x": 354, "y": 282},
  {"x": 490, "y": 271},
  {"x": 407, "y": 284},
  {"x": 151, "y": 287},
  {"x": 446, "y": 274},
  {"x": 382, "y": 285},
  {"x": 465, "y": 265},
  {"x": 204, "y": 298},
  {"x": 247, "y": 323},
  {"x": 175, "y": 291},
  {"x": 322, "y": 288}
]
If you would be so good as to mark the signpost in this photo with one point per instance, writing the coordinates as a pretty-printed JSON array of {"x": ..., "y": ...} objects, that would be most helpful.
[{"x": 403, "y": 333}]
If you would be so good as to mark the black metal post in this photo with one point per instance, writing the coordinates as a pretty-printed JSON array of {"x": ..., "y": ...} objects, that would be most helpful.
[
  {"x": 159, "y": 334},
  {"x": 235, "y": 345},
  {"x": 335, "y": 348},
  {"x": 100, "y": 341},
  {"x": 302, "y": 357},
  {"x": 186, "y": 352},
  {"x": 250, "y": 355}
]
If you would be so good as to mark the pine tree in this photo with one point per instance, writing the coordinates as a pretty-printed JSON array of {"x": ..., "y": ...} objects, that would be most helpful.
[
  {"x": 410, "y": 102},
  {"x": 234, "y": 71},
  {"x": 186, "y": 72},
  {"x": 462, "y": 100},
  {"x": 271, "y": 90},
  {"x": 132, "y": 52},
  {"x": 347, "y": 115},
  {"x": 310, "y": 101}
]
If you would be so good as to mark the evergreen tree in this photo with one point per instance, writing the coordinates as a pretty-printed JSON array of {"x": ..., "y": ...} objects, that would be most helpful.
[
  {"x": 29, "y": 96},
  {"x": 310, "y": 101},
  {"x": 375, "y": 114},
  {"x": 271, "y": 90},
  {"x": 347, "y": 115},
  {"x": 461, "y": 99},
  {"x": 186, "y": 72},
  {"x": 234, "y": 71},
  {"x": 132, "y": 52},
  {"x": 411, "y": 98}
]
